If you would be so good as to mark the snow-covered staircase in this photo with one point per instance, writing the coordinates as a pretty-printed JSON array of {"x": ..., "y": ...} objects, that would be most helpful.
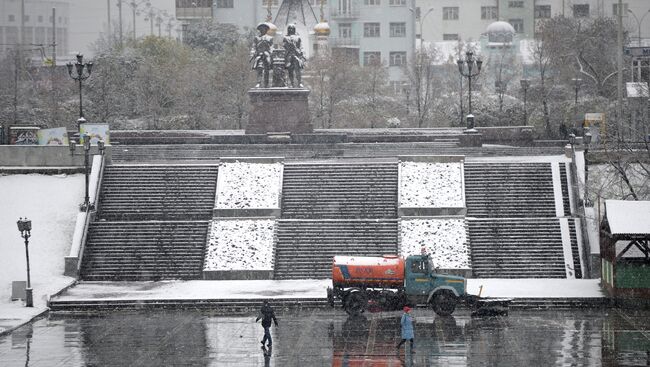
[
  {"x": 151, "y": 223},
  {"x": 334, "y": 209},
  {"x": 305, "y": 248},
  {"x": 157, "y": 192},
  {"x": 516, "y": 248},
  {"x": 514, "y": 214},
  {"x": 509, "y": 190},
  {"x": 150, "y": 250}
]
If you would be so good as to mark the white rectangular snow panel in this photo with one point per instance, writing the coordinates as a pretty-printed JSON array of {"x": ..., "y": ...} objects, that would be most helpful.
[
  {"x": 557, "y": 189},
  {"x": 566, "y": 248}
]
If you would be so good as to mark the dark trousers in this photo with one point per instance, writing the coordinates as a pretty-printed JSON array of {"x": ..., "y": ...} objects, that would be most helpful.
[
  {"x": 267, "y": 335},
  {"x": 404, "y": 341}
]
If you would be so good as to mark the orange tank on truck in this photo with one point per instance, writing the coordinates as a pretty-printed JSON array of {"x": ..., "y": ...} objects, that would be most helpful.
[{"x": 350, "y": 271}]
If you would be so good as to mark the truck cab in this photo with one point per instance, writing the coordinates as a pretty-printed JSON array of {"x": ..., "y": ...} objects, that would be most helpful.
[{"x": 424, "y": 285}]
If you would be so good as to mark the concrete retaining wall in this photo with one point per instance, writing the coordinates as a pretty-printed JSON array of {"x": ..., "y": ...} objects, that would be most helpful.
[{"x": 45, "y": 156}]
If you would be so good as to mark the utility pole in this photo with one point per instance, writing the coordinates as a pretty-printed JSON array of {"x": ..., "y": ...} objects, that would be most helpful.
[
  {"x": 119, "y": 6},
  {"x": 53, "y": 70},
  {"x": 619, "y": 77},
  {"x": 108, "y": 14}
]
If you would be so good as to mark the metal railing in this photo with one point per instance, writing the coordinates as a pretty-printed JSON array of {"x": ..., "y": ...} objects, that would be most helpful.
[{"x": 345, "y": 13}]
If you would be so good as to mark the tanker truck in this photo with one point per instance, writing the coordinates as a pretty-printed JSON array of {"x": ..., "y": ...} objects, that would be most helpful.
[{"x": 389, "y": 283}]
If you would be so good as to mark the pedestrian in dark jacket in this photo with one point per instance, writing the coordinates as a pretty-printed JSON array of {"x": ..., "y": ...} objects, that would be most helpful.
[
  {"x": 267, "y": 314},
  {"x": 407, "y": 328}
]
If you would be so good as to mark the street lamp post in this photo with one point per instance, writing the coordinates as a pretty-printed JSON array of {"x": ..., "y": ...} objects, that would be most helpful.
[
  {"x": 525, "y": 83},
  {"x": 576, "y": 87},
  {"x": 467, "y": 69},
  {"x": 80, "y": 76},
  {"x": 25, "y": 228},
  {"x": 638, "y": 22}
]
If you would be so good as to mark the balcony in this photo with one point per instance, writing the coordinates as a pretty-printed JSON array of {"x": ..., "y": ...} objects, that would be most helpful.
[
  {"x": 344, "y": 42},
  {"x": 339, "y": 14},
  {"x": 193, "y": 13}
]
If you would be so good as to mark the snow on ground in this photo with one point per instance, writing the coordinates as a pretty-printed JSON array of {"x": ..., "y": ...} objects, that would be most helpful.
[
  {"x": 51, "y": 203},
  {"x": 444, "y": 239},
  {"x": 431, "y": 185},
  {"x": 240, "y": 244},
  {"x": 536, "y": 288},
  {"x": 311, "y": 288},
  {"x": 244, "y": 185}
]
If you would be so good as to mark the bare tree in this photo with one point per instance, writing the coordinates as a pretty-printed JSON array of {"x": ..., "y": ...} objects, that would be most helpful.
[{"x": 420, "y": 74}]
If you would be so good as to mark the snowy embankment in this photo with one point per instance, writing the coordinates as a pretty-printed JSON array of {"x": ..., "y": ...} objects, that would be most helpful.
[
  {"x": 434, "y": 185},
  {"x": 431, "y": 185},
  {"x": 51, "y": 203},
  {"x": 444, "y": 239},
  {"x": 240, "y": 244},
  {"x": 244, "y": 244}
]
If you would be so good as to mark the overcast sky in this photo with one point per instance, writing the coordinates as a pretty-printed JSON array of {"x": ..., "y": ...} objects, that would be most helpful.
[{"x": 88, "y": 19}]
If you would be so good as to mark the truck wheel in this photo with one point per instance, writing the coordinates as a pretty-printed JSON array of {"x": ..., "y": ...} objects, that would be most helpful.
[
  {"x": 355, "y": 303},
  {"x": 444, "y": 303}
]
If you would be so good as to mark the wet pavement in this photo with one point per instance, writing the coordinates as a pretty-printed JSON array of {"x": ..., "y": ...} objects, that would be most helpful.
[{"x": 610, "y": 337}]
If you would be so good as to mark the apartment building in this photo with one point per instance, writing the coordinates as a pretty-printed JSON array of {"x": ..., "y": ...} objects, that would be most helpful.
[
  {"x": 37, "y": 27},
  {"x": 373, "y": 30},
  {"x": 445, "y": 20}
]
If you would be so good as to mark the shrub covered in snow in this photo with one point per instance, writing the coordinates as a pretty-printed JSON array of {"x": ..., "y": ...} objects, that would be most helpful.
[
  {"x": 444, "y": 239},
  {"x": 240, "y": 245},
  {"x": 431, "y": 185},
  {"x": 249, "y": 185}
]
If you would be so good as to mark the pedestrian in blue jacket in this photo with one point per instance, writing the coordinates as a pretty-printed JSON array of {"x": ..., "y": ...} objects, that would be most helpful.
[{"x": 407, "y": 329}]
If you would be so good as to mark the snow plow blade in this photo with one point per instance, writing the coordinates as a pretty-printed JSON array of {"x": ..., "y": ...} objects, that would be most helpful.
[{"x": 488, "y": 306}]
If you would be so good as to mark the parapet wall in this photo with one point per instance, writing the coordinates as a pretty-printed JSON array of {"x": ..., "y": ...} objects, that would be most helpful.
[{"x": 45, "y": 156}]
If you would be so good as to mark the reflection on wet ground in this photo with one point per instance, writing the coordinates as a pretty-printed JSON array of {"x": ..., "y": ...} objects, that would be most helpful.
[{"x": 524, "y": 338}]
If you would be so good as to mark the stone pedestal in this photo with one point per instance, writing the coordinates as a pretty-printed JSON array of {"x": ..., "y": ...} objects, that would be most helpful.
[{"x": 279, "y": 110}]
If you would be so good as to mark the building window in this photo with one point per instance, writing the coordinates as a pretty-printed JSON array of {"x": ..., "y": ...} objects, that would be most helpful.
[
  {"x": 450, "y": 13},
  {"x": 517, "y": 24},
  {"x": 542, "y": 11},
  {"x": 581, "y": 10},
  {"x": 12, "y": 18},
  {"x": 397, "y": 58},
  {"x": 489, "y": 12},
  {"x": 40, "y": 19},
  {"x": 371, "y": 58},
  {"x": 225, "y": 4},
  {"x": 345, "y": 30},
  {"x": 372, "y": 2},
  {"x": 26, "y": 18},
  {"x": 515, "y": 4},
  {"x": 397, "y": 2},
  {"x": 398, "y": 29},
  {"x": 450, "y": 37},
  {"x": 615, "y": 9},
  {"x": 371, "y": 30}
]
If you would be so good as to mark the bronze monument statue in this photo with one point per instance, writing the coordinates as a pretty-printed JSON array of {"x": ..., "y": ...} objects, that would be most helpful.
[
  {"x": 262, "y": 55},
  {"x": 293, "y": 57}
]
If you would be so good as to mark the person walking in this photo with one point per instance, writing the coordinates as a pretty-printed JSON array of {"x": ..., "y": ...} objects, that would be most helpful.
[
  {"x": 407, "y": 329},
  {"x": 267, "y": 314}
]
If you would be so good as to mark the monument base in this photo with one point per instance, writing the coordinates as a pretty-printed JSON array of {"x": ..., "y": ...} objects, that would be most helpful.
[{"x": 275, "y": 110}]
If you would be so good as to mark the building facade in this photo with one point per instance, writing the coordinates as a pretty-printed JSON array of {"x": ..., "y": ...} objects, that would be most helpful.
[
  {"x": 467, "y": 20},
  {"x": 36, "y": 31}
]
